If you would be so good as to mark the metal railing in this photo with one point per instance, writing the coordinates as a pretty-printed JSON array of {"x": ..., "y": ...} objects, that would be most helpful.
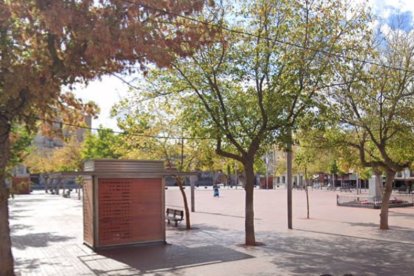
[{"x": 369, "y": 201}]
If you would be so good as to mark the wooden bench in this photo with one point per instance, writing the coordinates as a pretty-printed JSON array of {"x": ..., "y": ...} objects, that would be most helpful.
[{"x": 174, "y": 215}]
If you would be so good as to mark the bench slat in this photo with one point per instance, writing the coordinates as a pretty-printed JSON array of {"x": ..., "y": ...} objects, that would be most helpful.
[{"x": 175, "y": 215}]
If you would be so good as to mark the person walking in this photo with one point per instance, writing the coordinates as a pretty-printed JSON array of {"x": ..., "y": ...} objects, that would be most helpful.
[{"x": 216, "y": 190}]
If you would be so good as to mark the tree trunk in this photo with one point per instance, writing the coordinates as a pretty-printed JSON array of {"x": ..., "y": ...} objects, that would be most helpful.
[
  {"x": 249, "y": 189},
  {"x": 307, "y": 194},
  {"x": 390, "y": 175},
  {"x": 6, "y": 257},
  {"x": 186, "y": 209},
  {"x": 378, "y": 185},
  {"x": 307, "y": 201}
]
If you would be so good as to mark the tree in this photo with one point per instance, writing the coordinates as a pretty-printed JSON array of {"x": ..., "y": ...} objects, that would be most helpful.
[
  {"x": 49, "y": 160},
  {"x": 104, "y": 144},
  {"x": 249, "y": 86},
  {"x": 333, "y": 170},
  {"x": 154, "y": 131},
  {"x": 48, "y": 44},
  {"x": 62, "y": 159},
  {"x": 67, "y": 158},
  {"x": 375, "y": 110},
  {"x": 20, "y": 140},
  {"x": 304, "y": 157}
]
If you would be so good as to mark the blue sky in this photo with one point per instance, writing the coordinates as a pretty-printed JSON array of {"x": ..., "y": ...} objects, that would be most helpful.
[
  {"x": 395, "y": 14},
  {"x": 400, "y": 20},
  {"x": 106, "y": 92}
]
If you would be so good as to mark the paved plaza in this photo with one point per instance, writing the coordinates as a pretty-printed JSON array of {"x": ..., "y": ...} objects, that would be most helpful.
[{"x": 47, "y": 238}]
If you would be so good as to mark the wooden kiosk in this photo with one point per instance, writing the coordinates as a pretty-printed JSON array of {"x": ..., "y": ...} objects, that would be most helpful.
[{"x": 123, "y": 203}]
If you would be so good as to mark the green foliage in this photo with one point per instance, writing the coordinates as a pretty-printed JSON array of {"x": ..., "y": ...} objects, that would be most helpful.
[
  {"x": 63, "y": 159},
  {"x": 333, "y": 167},
  {"x": 374, "y": 112},
  {"x": 21, "y": 140},
  {"x": 154, "y": 131},
  {"x": 104, "y": 144},
  {"x": 246, "y": 91},
  {"x": 365, "y": 173}
]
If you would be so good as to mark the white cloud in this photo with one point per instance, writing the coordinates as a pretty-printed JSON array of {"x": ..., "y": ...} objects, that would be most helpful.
[{"x": 382, "y": 7}]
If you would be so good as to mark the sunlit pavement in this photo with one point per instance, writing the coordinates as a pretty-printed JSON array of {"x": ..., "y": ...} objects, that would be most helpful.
[{"x": 47, "y": 238}]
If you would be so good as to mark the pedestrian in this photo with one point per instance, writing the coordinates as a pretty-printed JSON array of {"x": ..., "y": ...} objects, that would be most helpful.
[{"x": 216, "y": 190}]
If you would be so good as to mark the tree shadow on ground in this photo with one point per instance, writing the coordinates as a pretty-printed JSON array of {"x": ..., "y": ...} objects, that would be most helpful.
[
  {"x": 159, "y": 259},
  {"x": 25, "y": 264},
  {"x": 308, "y": 252},
  {"x": 224, "y": 215},
  {"x": 202, "y": 233},
  {"x": 17, "y": 227},
  {"x": 404, "y": 215},
  {"x": 36, "y": 265},
  {"x": 395, "y": 234},
  {"x": 17, "y": 214},
  {"x": 37, "y": 240},
  {"x": 339, "y": 255},
  {"x": 17, "y": 211},
  {"x": 17, "y": 217}
]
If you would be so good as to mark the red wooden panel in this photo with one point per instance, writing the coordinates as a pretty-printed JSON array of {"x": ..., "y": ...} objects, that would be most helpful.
[
  {"x": 130, "y": 210},
  {"x": 88, "y": 214}
]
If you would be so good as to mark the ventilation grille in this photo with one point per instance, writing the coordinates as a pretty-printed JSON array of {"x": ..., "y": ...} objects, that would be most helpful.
[{"x": 130, "y": 210}]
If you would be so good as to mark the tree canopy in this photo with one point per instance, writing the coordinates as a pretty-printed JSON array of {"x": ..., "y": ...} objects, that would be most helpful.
[
  {"x": 247, "y": 87},
  {"x": 373, "y": 114},
  {"x": 46, "y": 45},
  {"x": 104, "y": 144}
]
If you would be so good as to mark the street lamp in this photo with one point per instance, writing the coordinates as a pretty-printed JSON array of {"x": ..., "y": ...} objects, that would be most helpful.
[
  {"x": 267, "y": 169},
  {"x": 237, "y": 175}
]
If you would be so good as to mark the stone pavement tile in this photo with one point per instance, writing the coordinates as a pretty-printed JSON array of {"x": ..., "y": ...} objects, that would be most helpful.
[{"x": 47, "y": 239}]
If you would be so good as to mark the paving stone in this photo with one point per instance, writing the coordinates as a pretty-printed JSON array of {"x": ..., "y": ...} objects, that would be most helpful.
[{"x": 47, "y": 238}]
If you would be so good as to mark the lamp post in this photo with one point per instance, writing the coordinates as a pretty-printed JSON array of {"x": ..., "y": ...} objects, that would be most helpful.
[
  {"x": 237, "y": 175},
  {"x": 358, "y": 186},
  {"x": 289, "y": 158},
  {"x": 267, "y": 170}
]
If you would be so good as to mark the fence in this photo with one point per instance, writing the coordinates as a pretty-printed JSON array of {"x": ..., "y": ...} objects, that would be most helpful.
[{"x": 368, "y": 201}]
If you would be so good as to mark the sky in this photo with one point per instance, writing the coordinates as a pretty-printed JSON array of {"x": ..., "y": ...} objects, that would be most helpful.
[
  {"x": 105, "y": 92},
  {"x": 109, "y": 90}
]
